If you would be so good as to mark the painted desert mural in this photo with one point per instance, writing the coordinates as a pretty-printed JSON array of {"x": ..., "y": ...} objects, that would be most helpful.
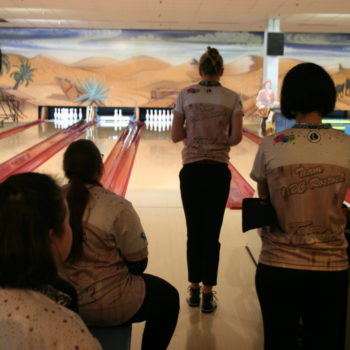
[{"x": 117, "y": 68}]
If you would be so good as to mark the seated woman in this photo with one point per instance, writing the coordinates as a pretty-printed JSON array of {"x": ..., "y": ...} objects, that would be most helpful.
[
  {"x": 109, "y": 255},
  {"x": 303, "y": 265},
  {"x": 35, "y": 238}
]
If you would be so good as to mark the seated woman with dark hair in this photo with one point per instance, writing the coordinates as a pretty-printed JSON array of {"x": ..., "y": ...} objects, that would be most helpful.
[
  {"x": 303, "y": 266},
  {"x": 35, "y": 238},
  {"x": 109, "y": 254}
]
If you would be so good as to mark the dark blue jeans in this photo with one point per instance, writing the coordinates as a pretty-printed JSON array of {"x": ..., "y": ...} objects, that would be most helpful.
[
  {"x": 302, "y": 305},
  {"x": 204, "y": 191}
]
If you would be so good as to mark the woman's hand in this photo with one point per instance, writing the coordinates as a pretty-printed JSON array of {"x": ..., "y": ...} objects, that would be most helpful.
[{"x": 178, "y": 130}]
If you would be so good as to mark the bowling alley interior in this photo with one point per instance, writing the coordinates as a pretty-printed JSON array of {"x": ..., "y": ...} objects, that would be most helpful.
[{"x": 111, "y": 72}]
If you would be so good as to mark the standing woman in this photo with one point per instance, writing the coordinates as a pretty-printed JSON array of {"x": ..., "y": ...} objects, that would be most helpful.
[
  {"x": 208, "y": 118},
  {"x": 305, "y": 171},
  {"x": 109, "y": 255}
]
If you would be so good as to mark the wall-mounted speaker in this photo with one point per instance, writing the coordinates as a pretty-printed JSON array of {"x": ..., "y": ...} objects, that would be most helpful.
[{"x": 275, "y": 44}]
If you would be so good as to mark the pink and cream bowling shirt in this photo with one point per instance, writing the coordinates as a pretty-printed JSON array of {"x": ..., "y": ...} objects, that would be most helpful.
[
  {"x": 108, "y": 294},
  {"x": 208, "y": 112},
  {"x": 308, "y": 172}
]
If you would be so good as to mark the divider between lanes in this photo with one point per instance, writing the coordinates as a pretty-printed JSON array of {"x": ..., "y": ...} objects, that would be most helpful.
[{"x": 36, "y": 155}]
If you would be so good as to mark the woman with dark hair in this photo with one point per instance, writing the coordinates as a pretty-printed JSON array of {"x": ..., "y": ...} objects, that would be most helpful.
[
  {"x": 35, "y": 239},
  {"x": 109, "y": 255},
  {"x": 208, "y": 118},
  {"x": 302, "y": 275}
]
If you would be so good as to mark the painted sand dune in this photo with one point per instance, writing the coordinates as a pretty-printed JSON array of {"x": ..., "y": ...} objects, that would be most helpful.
[{"x": 140, "y": 81}]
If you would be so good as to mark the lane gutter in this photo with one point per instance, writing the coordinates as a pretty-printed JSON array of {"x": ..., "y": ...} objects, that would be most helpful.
[
  {"x": 252, "y": 136},
  {"x": 120, "y": 161},
  {"x": 239, "y": 189}
]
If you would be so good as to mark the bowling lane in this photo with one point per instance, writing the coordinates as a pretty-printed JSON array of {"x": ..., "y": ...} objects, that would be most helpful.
[
  {"x": 154, "y": 191},
  {"x": 104, "y": 137},
  {"x": 17, "y": 143},
  {"x": 154, "y": 177},
  {"x": 8, "y": 126}
]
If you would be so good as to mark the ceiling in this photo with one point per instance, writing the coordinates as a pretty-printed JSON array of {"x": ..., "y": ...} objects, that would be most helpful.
[{"x": 320, "y": 16}]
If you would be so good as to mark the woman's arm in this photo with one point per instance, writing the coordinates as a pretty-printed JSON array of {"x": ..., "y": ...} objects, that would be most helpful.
[
  {"x": 236, "y": 129},
  {"x": 178, "y": 130},
  {"x": 130, "y": 238},
  {"x": 263, "y": 190},
  {"x": 137, "y": 267}
]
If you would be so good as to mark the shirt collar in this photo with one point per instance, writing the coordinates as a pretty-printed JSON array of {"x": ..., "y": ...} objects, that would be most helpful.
[
  {"x": 209, "y": 83},
  {"x": 312, "y": 126}
]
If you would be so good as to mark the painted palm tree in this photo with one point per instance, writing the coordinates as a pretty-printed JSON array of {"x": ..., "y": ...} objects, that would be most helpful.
[
  {"x": 5, "y": 64},
  {"x": 93, "y": 92},
  {"x": 24, "y": 74}
]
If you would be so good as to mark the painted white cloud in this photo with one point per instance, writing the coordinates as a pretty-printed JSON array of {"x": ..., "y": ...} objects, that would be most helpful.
[
  {"x": 318, "y": 39},
  {"x": 147, "y": 37},
  {"x": 211, "y": 37},
  {"x": 227, "y": 37}
]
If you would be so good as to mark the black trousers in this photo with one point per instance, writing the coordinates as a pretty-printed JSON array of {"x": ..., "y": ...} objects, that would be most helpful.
[
  {"x": 204, "y": 191},
  {"x": 160, "y": 310},
  {"x": 302, "y": 309}
]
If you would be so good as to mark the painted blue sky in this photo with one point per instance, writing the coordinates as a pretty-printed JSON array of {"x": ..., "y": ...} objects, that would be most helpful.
[{"x": 175, "y": 47}]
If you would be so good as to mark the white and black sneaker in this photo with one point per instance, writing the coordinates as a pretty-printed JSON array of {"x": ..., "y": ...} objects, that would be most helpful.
[
  {"x": 209, "y": 304},
  {"x": 194, "y": 298}
]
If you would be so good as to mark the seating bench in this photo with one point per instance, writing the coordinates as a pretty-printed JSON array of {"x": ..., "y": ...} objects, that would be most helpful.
[{"x": 113, "y": 338}]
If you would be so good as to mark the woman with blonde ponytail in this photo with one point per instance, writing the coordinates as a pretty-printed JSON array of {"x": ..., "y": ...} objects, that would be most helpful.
[{"x": 208, "y": 119}]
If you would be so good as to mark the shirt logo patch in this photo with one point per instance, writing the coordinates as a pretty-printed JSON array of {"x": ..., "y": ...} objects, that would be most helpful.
[
  {"x": 314, "y": 136},
  {"x": 282, "y": 138},
  {"x": 143, "y": 236},
  {"x": 193, "y": 91}
]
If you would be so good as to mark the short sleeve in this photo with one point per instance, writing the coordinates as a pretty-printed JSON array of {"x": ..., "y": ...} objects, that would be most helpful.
[
  {"x": 179, "y": 104},
  {"x": 258, "y": 172},
  {"x": 130, "y": 236},
  {"x": 238, "y": 107}
]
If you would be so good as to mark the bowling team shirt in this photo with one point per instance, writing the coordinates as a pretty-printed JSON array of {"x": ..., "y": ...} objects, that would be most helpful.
[
  {"x": 208, "y": 112},
  {"x": 107, "y": 293},
  {"x": 30, "y": 320},
  {"x": 307, "y": 169}
]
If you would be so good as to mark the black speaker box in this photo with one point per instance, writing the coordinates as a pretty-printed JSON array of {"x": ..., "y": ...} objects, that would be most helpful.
[{"x": 275, "y": 44}]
